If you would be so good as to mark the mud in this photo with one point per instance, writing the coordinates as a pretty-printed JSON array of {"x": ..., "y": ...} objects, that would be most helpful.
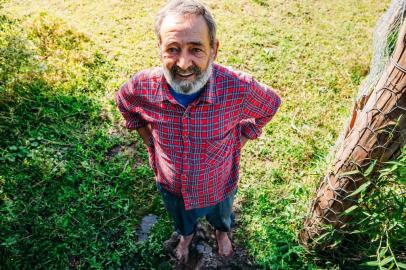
[
  {"x": 146, "y": 225},
  {"x": 203, "y": 252},
  {"x": 129, "y": 152}
]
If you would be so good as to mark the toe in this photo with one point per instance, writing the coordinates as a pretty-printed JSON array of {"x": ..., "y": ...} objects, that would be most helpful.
[{"x": 182, "y": 254}]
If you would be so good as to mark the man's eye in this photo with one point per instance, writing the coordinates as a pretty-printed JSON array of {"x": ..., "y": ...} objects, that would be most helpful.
[
  {"x": 172, "y": 50},
  {"x": 196, "y": 50}
]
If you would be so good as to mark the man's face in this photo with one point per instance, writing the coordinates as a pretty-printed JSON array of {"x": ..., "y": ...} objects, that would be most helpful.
[{"x": 186, "y": 54}]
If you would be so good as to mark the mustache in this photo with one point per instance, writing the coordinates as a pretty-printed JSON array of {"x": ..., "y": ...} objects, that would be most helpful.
[{"x": 192, "y": 69}]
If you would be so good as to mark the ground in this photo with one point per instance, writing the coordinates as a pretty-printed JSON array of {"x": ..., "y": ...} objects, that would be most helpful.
[{"x": 75, "y": 184}]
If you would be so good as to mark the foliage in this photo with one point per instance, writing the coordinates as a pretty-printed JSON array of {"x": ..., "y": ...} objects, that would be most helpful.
[
  {"x": 375, "y": 235},
  {"x": 380, "y": 219},
  {"x": 74, "y": 185},
  {"x": 64, "y": 201}
]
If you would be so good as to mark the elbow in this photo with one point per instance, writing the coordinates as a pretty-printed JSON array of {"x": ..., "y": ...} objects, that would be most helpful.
[{"x": 276, "y": 102}]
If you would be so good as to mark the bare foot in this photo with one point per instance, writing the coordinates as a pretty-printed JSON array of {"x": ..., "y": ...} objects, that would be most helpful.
[
  {"x": 224, "y": 244},
  {"x": 182, "y": 249}
]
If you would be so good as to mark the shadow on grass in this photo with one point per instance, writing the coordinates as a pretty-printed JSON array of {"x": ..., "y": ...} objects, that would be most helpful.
[{"x": 64, "y": 202}]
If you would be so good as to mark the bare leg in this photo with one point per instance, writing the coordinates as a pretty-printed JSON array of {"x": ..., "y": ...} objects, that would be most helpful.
[
  {"x": 182, "y": 249},
  {"x": 224, "y": 244}
]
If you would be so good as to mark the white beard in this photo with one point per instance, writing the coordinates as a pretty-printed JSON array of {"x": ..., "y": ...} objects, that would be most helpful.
[{"x": 189, "y": 87}]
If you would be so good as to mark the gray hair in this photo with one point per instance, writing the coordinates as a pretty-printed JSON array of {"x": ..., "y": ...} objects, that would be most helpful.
[{"x": 184, "y": 7}]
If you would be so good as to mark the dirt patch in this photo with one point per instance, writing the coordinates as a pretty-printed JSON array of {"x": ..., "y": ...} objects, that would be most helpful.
[
  {"x": 130, "y": 153},
  {"x": 147, "y": 223},
  {"x": 203, "y": 252},
  {"x": 127, "y": 150},
  {"x": 114, "y": 151}
]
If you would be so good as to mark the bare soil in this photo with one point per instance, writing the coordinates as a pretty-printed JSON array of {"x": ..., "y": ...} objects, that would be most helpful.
[{"x": 203, "y": 252}]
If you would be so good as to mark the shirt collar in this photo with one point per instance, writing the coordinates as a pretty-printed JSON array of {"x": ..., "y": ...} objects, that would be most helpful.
[{"x": 208, "y": 95}]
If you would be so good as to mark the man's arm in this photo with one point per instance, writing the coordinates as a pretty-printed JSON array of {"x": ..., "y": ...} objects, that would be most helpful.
[
  {"x": 244, "y": 140},
  {"x": 260, "y": 105},
  {"x": 145, "y": 135},
  {"x": 129, "y": 105}
]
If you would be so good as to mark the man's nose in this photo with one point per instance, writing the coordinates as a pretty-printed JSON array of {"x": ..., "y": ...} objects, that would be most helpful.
[{"x": 184, "y": 61}]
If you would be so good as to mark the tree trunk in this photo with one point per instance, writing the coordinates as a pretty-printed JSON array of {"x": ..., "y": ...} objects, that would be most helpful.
[{"x": 376, "y": 133}]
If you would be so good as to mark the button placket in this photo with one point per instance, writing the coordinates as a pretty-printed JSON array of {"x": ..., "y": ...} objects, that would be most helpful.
[{"x": 186, "y": 147}]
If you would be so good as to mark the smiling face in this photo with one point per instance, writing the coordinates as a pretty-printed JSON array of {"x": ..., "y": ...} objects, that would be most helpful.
[{"x": 186, "y": 54}]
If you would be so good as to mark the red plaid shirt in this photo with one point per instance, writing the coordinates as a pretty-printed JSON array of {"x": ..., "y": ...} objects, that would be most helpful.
[{"x": 195, "y": 151}]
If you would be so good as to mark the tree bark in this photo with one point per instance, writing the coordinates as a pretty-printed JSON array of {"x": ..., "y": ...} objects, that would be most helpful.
[{"x": 376, "y": 133}]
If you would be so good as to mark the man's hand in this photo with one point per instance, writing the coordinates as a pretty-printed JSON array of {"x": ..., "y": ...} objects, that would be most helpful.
[
  {"x": 243, "y": 140},
  {"x": 145, "y": 134}
]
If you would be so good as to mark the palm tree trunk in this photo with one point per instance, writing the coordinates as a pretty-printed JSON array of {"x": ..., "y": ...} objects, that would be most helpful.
[{"x": 376, "y": 133}]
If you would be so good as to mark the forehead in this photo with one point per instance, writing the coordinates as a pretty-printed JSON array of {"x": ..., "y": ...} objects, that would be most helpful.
[{"x": 184, "y": 29}]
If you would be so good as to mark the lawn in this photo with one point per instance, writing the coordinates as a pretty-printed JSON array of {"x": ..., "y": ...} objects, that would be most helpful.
[{"x": 74, "y": 184}]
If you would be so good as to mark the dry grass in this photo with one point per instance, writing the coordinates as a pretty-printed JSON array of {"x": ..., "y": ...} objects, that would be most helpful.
[{"x": 313, "y": 52}]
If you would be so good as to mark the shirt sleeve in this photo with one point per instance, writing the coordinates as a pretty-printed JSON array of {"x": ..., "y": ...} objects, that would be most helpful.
[
  {"x": 260, "y": 105},
  {"x": 129, "y": 105}
]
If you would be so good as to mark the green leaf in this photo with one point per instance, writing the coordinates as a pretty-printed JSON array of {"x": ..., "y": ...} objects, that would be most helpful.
[
  {"x": 349, "y": 210},
  {"x": 371, "y": 263},
  {"x": 356, "y": 231},
  {"x": 386, "y": 260},
  {"x": 318, "y": 239},
  {"x": 349, "y": 173},
  {"x": 401, "y": 265},
  {"x": 360, "y": 189},
  {"x": 370, "y": 168},
  {"x": 394, "y": 162},
  {"x": 383, "y": 252}
]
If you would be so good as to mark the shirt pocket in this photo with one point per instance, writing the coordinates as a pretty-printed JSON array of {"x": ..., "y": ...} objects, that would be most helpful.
[{"x": 218, "y": 151}]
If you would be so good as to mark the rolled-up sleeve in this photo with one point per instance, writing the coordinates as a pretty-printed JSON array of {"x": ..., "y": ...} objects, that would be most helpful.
[
  {"x": 260, "y": 105},
  {"x": 129, "y": 105}
]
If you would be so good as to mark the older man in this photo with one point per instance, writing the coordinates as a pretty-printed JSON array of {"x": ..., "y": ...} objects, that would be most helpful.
[{"x": 194, "y": 117}]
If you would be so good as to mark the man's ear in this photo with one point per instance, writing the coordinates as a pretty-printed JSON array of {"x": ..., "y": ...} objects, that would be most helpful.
[
  {"x": 158, "y": 47},
  {"x": 216, "y": 48}
]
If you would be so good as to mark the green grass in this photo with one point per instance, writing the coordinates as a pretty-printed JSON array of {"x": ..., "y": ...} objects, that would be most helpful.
[{"x": 67, "y": 200}]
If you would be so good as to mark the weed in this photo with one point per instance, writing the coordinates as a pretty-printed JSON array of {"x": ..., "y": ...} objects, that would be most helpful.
[{"x": 67, "y": 201}]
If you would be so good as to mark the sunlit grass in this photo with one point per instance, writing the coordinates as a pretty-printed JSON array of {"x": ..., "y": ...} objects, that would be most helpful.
[{"x": 313, "y": 52}]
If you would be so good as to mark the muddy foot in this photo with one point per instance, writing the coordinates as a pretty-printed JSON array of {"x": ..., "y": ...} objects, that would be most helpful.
[
  {"x": 224, "y": 245},
  {"x": 202, "y": 254},
  {"x": 182, "y": 249}
]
